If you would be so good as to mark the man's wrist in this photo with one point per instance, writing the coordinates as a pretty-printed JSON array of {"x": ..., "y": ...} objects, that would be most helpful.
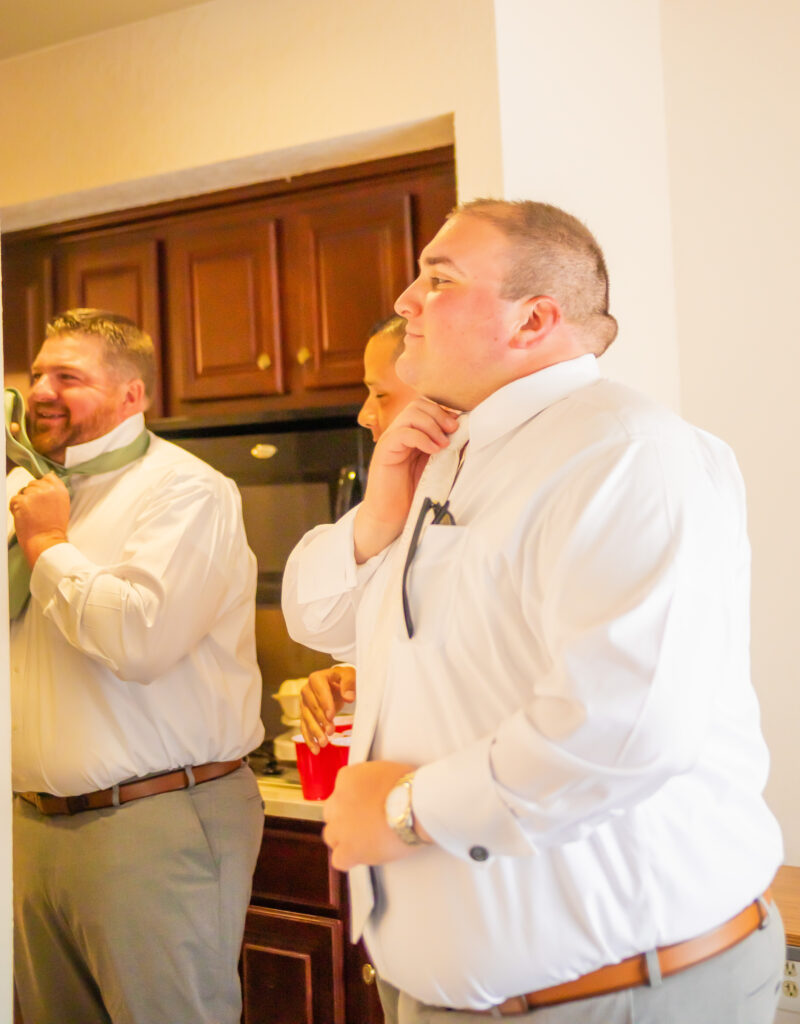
[
  {"x": 371, "y": 536},
  {"x": 40, "y": 542}
]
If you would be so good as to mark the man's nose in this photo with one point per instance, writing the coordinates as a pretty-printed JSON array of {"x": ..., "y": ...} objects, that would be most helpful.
[
  {"x": 42, "y": 388},
  {"x": 408, "y": 303},
  {"x": 366, "y": 415}
]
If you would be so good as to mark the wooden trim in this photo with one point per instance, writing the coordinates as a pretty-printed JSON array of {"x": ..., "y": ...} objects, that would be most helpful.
[
  {"x": 786, "y": 889},
  {"x": 333, "y": 176}
]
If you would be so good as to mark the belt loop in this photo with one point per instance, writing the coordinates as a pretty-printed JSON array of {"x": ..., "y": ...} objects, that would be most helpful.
[
  {"x": 653, "y": 968},
  {"x": 115, "y": 796},
  {"x": 189, "y": 775},
  {"x": 763, "y": 912}
]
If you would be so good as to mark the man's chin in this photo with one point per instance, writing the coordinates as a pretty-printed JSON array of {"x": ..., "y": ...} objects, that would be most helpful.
[{"x": 46, "y": 443}]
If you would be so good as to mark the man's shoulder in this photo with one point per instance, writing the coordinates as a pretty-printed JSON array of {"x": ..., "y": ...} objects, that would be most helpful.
[
  {"x": 170, "y": 459},
  {"x": 628, "y": 411}
]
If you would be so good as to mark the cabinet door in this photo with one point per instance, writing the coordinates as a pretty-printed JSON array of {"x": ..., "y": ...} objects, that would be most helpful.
[
  {"x": 224, "y": 315},
  {"x": 292, "y": 969},
  {"x": 294, "y": 868},
  {"x": 363, "y": 1001},
  {"x": 119, "y": 273},
  {"x": 351, "y": 255},
  {"x": 28, "y": 293}
]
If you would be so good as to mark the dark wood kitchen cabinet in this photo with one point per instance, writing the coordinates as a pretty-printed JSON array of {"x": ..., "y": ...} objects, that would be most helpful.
[
  {"x": 258, "y": 298},
  {"x": 275, "y": 301},
  {"x": 224, "y": 307},
  {"x": 352, "y": 253},
  {"x": 28, "y": 273},
  {"x": 298, "y": 965},
  {"x": 118, "y": 272}
]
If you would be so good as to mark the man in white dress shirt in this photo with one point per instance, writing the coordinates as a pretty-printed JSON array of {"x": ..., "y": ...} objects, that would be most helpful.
[
  {"x": 329, "y": 690},
  {"x": 135, "y": 696},
  {"x": 561, "y": 790}
]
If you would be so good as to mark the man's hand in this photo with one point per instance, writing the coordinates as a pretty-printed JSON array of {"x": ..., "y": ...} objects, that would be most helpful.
[
  {"x": 400, "y": 455},
  {"x": 321, "y": 699},
  {"x": 41, "y": 515},
  {"x": 356, "y": 829}
]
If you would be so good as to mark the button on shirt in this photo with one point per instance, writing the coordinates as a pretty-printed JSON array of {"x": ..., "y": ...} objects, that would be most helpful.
[
  {"x": 577, "y": 695},
  {"x": 136, "y": 652}
]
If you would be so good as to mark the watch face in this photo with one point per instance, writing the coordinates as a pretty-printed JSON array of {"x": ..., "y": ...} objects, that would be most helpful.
[{"x": 397, "y": 803}]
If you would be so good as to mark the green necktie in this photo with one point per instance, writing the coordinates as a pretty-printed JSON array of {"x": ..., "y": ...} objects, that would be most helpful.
[{"x": 20, "y": 450}]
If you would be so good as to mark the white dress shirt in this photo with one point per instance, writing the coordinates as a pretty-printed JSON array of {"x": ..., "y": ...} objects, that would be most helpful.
[
  {"x": 136, "y": 652},
  {"x": 577, "y": 694}
]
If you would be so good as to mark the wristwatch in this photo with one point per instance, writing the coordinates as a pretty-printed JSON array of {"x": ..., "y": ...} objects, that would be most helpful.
[{"x": 399, "y": 813}]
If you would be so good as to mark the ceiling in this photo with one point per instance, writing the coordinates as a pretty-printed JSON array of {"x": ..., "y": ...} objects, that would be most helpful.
[{"x": 31, "y": 24}]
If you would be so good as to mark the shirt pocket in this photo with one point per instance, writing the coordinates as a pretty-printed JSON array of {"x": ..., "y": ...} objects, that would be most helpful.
[{"x": 433, "y": 581}]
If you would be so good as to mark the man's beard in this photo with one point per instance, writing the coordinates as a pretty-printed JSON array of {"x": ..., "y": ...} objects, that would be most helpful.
[
  {"x": 54, "y": 436},
  {"x": 46, "y": 435}
]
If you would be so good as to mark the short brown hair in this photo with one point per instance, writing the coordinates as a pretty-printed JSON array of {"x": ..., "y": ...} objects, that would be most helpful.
[
  {"x": 554, "y": 254},
  {"x": 395, "y": 327},
  {"x": 126, "y": 347}
]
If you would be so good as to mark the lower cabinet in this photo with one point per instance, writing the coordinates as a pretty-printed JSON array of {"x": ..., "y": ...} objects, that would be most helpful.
[{"x": 298, "y": 965}]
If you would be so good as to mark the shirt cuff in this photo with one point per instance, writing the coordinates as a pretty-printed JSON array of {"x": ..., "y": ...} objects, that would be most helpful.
[
  {"x": 457, "y": 801},
  {"x": 327, "y": 567},
  {"x": 52, "y": 565}
]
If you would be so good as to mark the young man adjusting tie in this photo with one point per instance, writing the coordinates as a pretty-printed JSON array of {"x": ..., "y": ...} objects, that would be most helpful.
[
  {"x": 135, "y": 696},
  {"x": 560, "y": 788}
]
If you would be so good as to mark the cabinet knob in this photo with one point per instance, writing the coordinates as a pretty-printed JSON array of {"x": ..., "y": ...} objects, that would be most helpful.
[
  {"x": 368, "y": 974},
  {"x": 304, "y": 355},
  {"x": 263, "y": 362}
]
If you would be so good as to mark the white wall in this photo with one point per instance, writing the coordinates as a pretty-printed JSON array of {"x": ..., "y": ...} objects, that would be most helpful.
[
  {"x": 583, "y": 127},
  {"x": 732, "y": 88}
]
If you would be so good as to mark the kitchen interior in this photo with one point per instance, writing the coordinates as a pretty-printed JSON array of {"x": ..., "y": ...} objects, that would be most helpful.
[
  {"x": 260, "y": 300},
  {"x": 259, "y": 242}
]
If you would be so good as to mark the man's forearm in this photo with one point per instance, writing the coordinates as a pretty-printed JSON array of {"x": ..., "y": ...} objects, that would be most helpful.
[{"x": 371, "y": 536}]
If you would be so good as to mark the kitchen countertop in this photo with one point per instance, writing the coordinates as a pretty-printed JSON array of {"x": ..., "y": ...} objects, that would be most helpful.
[{"x": 283, "y": 797}]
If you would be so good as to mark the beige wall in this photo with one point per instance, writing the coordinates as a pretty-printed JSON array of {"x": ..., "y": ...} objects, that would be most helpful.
[
  {"x": 732, "y": 88},
  {"x": 240, "y": 88},
  {"x": 233, "y": 78}
]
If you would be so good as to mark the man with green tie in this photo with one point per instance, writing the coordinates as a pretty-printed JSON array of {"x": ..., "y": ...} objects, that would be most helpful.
[{"x": 135, "y": 697}]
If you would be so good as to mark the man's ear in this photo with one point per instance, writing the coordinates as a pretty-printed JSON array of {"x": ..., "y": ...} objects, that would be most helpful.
[
  {"x": 135, "y": 398},
  {"x": 539, "y": 315}
]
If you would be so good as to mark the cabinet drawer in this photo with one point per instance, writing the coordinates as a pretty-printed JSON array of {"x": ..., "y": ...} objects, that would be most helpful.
[
  {"x": 292, "y": 969},
  {"x": 294, "y": 868}
]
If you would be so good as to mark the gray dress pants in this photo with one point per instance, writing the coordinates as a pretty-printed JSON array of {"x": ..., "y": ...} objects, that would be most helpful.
[
  {"x": 135, "y": 914},
  {"x": 739, "y": 986}
]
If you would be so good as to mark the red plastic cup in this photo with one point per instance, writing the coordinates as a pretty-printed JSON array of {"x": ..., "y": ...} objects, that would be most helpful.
[
  {"x": 318, "y": 771},
  {"x": 343, "y": 723}
]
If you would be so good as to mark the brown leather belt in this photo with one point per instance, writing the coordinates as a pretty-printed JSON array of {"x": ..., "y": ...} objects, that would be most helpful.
[
  {"x": 634, "y": 971},
  {"x": 182, "y": 778}
]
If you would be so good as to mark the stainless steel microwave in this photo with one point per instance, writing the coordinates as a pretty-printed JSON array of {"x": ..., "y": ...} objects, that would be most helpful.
[{"x": 294, "y": 469}]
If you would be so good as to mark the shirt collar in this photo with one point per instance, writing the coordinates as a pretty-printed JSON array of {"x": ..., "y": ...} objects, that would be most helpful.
[
  {"x": 121, "y": 435},
  {"x": 516, "y": 403}
]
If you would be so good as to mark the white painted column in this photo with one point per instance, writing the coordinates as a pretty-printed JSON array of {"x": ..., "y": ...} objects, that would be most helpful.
[{"x": 583, "y": 127}]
